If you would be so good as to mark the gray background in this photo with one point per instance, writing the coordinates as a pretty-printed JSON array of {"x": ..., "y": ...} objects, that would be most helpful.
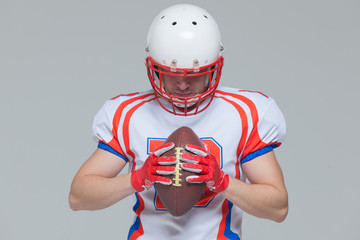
[{"x": 60, "y": 60}]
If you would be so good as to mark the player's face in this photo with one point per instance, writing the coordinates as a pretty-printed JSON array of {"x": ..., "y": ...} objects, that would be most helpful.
[{"x": 185, "y": 86}]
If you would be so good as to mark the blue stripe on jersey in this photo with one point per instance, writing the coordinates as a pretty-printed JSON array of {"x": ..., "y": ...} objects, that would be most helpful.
[
  {"x": 259, "y": 152},
  {"x": 106, "y": 147},
  {"x": 228, "y": 233},
  {"x": 136, "y": 224}
]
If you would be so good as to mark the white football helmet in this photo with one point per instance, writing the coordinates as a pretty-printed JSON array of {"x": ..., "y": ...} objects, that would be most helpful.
[{"x": 184, "y": 40}]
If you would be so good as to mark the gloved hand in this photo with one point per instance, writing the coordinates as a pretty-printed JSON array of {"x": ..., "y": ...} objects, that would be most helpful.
[
  {"x": 206, "y": 165},
  {"x": 145, "y": 177}
]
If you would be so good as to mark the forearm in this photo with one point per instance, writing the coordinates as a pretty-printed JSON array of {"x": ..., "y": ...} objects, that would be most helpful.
[
  {"x": 92, "y": 192},
  {"x": 260, "y": 200}
]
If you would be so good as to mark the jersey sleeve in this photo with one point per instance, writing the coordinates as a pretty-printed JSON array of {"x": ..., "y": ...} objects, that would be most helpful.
[
  {"x": 267, "y": 135},
  {"x": 103, "y": 133}
]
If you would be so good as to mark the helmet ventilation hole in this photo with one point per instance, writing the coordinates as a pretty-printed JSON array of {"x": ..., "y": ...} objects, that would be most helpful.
[
  {"x": 174, "y": 23},
  {"x": 162, "y": 17},
  {"x": 194, "y": 23},
  {"x": 205, "y": 16}
]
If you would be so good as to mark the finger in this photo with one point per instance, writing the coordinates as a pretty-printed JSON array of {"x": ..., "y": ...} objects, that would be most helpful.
[
  {"x": 194, "y": 179},
  {"x": 163, "y": 180},
  {"x": 196, "y": 150},
  {"x": 166, "y": 161},
  {"x": 195, "y": 168},
  {"x": 205, "y": 146},
  {"x": 191, "y": 158},
  {"x": 164, "y": 148},
  {"x": 162, "y": 170}
]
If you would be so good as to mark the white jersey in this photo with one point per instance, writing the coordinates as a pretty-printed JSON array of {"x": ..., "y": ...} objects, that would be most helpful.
[{"x": 238, "y": 126}]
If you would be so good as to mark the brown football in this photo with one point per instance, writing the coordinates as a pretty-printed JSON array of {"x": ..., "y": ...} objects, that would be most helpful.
[{"x": 180, "y": 196}]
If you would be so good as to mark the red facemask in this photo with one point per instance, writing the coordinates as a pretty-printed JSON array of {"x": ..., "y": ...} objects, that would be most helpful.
[{"x": 178, "y": 105}]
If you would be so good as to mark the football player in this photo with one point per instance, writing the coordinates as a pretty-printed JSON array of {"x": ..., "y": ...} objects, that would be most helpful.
[{"x": 240, "y": 128}]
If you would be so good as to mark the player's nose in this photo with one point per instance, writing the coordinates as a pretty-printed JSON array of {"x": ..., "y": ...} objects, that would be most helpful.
[{"x": 183, "y": 83}]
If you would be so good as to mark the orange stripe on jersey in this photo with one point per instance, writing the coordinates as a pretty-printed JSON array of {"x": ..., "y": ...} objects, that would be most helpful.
[
  {"x": 126, "y": 135},
  {"x": 137, "y": 229},
  {"x": 245, "y": 128},
  {"x": 222, "y": 226},
  {"x": 119, "y": 112},
  {"x": 254, "y": 142},
  {"x": 140, "y": 231}
]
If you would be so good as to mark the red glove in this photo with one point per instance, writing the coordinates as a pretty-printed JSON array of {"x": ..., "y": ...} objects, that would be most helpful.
[
  {"x": 145, "y": 177},
  {"x": 206, "y": 165}
]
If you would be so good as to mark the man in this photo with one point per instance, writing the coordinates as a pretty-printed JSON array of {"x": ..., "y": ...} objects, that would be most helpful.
[{"x": 240, "y": 128}]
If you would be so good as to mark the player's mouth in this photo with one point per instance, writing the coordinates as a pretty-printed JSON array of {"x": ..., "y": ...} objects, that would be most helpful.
[{"x": 184, "y": 95}]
